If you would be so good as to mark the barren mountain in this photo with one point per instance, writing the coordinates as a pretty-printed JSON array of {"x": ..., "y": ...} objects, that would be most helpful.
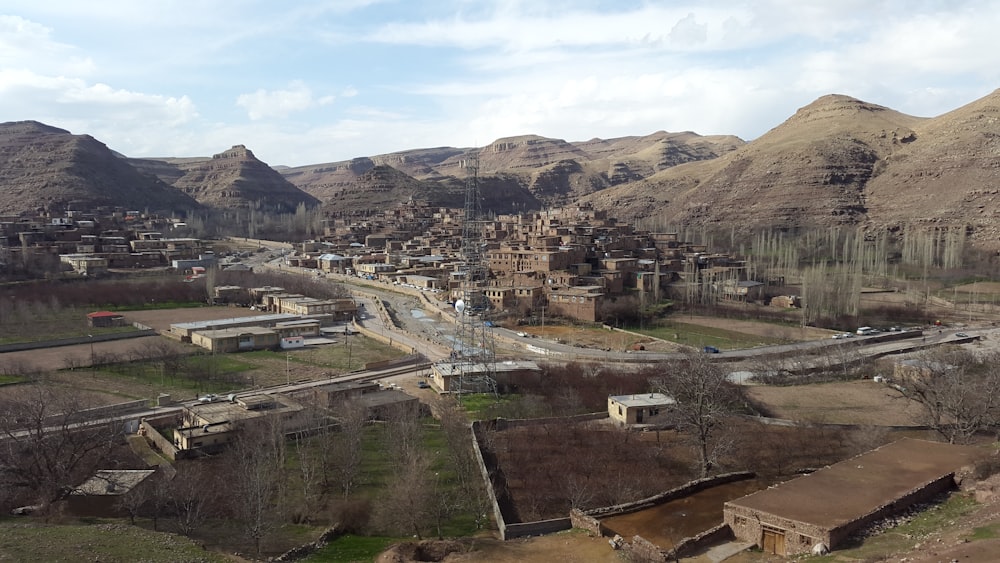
[
  {"x": 949, "y": 174},
  {"x": 836, "y": 161},
  {"x": 812, "y": 170},
  {"x": 43, "y": 167},
  {"x": 839, "y": 161},
  {"x": 518, "y": 173},
  {"x": 231, "y": 179}
]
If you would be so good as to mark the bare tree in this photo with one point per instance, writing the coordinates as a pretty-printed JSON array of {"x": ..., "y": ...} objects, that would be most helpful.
[
  {"x": 257, "y": 477},
  {"x": 48, "y": 443},
  {"x": 345, "y": 449},
  {"x": 408, "y": 503},
  {"x": 458, "y": 435},
  {"x": 705, "y": 402},
  {"x": 959, "y": 393},
  {"x": 192, "y": 497}
]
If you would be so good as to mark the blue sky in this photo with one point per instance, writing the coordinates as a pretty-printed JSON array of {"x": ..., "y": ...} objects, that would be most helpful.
[{"x": 323, "y": 81}]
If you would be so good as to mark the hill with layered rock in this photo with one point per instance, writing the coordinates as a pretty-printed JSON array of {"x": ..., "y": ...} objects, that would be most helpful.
[
  {"x": 232, "y": 179},
  {"x": 836, "y": 161},
  {"x": 519, "y": 173},
  {"x": 49, "y": 169}
]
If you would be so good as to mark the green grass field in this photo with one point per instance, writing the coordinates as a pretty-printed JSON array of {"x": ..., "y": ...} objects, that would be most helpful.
[{"x": 108, "y": 541}]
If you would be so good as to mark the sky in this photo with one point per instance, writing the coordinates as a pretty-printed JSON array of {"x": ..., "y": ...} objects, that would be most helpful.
[{"x": 310, "y": 81}]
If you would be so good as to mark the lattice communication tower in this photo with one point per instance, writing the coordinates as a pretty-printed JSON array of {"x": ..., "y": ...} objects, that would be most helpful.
[{"x": 474, "y": 354}]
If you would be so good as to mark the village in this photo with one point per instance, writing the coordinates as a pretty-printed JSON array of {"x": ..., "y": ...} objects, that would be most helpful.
[{"x": 571, "y": 266}]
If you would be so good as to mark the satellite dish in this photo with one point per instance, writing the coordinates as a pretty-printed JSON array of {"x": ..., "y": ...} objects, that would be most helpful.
[{"x": 460, "y": 306}]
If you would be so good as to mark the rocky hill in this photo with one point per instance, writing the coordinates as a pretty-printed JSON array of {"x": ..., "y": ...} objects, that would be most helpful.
[
  {"x": 838, "y": 161},
  {"x": 518, "y": 173},
  {"x": 230, "y": 180},
  {"x": 45, "y": 168}
]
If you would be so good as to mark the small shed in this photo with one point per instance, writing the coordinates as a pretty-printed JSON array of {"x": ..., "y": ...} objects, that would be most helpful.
[
  {"x": 641, "y": 408},
  {"x": 105, "y": 319},
  {"x": 100, "y": 495}
]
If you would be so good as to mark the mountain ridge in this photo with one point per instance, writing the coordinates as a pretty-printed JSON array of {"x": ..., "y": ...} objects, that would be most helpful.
[{"x": 837, "y": 161}]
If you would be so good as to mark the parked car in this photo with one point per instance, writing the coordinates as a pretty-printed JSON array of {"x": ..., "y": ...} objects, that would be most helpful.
[
  {"x": 210, "y": 398},
  {"x": 710, "y": 350},
  {"x": 961, "y": 335},
  {"x": 423, "y": 385}
]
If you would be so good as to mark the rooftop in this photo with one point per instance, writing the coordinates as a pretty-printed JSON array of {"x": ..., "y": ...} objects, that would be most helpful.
[
  {"x": 643, "y": 400},
  {"x": 113, "y": 481},
  {"x": 845, "y": 491}
]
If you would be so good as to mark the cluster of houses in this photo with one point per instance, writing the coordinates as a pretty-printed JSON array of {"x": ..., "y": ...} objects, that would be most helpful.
[
  {"x": 89, "y": 244},
  {"x": 568, "y": 261}
]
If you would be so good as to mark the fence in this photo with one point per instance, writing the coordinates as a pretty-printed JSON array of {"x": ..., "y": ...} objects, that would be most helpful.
[{"x": 19, "y": 346}]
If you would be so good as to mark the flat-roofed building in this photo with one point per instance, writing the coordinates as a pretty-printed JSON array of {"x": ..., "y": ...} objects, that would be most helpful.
[
  {"x": 236, "y": 339},
  {"x": 830, "y": 505},
  {"x": 641, "y": 408},
  {"x": 454, "y": 377},
  {"x": 183, "y": 331}
]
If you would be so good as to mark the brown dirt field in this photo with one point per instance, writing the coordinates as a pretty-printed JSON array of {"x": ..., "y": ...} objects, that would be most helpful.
[
  {"x": 850, "y": 402},
  {"x": 565, "y": 547},
  {"x": 771, "y": 330},
  {"x": 599, "y": 338}
]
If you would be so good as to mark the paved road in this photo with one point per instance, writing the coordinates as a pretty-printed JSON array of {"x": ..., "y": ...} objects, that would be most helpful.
[{"x": 430, "y": 328}]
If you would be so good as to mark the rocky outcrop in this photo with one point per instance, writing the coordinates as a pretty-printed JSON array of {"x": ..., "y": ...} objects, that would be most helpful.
[
  {"x": 50, "y": 169},
  {"x": 237, "y": 179}
]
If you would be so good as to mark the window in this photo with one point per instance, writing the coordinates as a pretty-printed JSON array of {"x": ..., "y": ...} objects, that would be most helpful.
[
  {"x": 653, "y": 411},
  {"x": 619, "y": 410}
]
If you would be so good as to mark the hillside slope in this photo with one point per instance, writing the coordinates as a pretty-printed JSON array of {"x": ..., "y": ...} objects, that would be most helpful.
[{"x": 50, "y": 169}]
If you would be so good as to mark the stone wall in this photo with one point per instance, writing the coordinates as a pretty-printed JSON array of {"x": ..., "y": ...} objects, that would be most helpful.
[
  {"x": 923, "y": 493},
  {"x": 582, "y": 521},
  {"x": 748, "y": 525},
  {"x": 684, "y": 490},
  {"x": 800, "y": 537},
  {"x": 161, "y": 443},
  {"x": 687, "y": 546},
  {"x": 641, "y": 549}
]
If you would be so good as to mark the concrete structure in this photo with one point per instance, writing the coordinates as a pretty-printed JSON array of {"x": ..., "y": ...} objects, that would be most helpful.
[
  {"x": 236, "y": 339},
  {"x": 100, "y": 495},
  {"x": 183, "y": 331},
  {"x": 451, "y": 377},
  {"x": 209, "y": 426},
  {"x": 645, "y": 408},
  {"x": 105, "y": 319},
  {"x": 830, "y": 505}
]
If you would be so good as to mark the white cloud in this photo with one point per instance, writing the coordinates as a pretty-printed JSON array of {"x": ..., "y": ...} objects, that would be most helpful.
[{"x": 264, "y": 104}]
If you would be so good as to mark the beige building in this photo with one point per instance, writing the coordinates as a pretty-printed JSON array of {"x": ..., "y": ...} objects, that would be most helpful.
[
  {"x": 645, "y": 408},
  {"x": 236, "y": 339},
  {"x": 212, "y": 425}
]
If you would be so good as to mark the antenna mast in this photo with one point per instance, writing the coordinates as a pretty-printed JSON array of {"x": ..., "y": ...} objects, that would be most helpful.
[{"x": 474, "y": 353}]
